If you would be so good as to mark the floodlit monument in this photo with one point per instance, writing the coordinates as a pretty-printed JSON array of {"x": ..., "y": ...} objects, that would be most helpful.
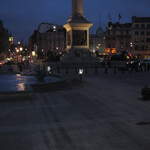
[{"x": 77, "y": 37}]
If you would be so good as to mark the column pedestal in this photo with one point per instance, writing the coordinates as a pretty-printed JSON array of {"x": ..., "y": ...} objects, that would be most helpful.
[{"x": 77, "y": 37}]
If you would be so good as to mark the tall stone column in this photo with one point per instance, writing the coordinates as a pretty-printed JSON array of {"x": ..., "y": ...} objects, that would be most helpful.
[
  {"x": 77, "y": 7},
  {"x": 77, "y": 36},
  {"x": 77, "y": 28}
]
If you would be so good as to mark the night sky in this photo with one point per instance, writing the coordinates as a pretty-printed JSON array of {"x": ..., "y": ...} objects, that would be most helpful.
[{"x": 21, "y": 17}]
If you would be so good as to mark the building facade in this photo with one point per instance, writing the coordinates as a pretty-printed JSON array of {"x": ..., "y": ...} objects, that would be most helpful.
[
  {"x": 97, "y": 41},
  {"x": 141, "y": 35},
  {"x": 118, "y": 37},
  {"x": 4, "y": 39},
  {"x": 48, "y": 38},
  {"x": 131, "y": 37}
]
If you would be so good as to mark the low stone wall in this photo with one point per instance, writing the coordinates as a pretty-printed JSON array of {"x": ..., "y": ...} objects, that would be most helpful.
[
  {"x": 15, "y": 96},
  {"x": 62, "y": 85}
]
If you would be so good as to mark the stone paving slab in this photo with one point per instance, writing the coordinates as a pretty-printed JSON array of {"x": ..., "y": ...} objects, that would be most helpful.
[{"x": 102, "y": 115}]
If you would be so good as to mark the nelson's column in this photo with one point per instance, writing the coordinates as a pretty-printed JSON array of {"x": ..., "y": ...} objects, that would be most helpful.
[{"x": 77, "y": 37}]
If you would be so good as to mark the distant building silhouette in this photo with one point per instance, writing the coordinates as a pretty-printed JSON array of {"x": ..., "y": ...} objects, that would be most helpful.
[
  {"x": 4, "y": 39},
  {"x": 97, "y": 41},
  {"x": 118, "y": 36},
  {"x": 141, "y": 35},
  {"x": 132, "y": 37}
]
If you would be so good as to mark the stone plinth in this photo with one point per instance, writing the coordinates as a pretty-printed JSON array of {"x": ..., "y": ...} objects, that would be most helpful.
[{"x": 77, "y": 37}]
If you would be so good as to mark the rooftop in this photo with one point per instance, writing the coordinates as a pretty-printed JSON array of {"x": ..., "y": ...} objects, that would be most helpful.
[{"x": 140, "y": 19}]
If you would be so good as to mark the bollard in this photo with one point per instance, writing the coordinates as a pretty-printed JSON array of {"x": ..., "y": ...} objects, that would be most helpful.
[
  {"x": 81, "y": 71},
  {"x": 145, "y": 92},
  {"x": 86, "y": 70},
  {"x": 96, "y": 70},
  {"x": 106, "y": 70},
  {"x": 115, "y": 70},
  {"x": 58, "y": 70},
  {"x": 67, "y": 71},
  {"x": 76, "y": 70}
]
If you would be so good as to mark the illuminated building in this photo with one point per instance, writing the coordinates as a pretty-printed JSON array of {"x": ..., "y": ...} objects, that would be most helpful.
[
  {"x": 118, "y": 36},
  {"x": 141, "y": 36},
  {"x": 97, "y": 41},
  {"x": 77, "y": 36},
  {"x": 11, "y": 40},
  {"x": 77, "y": 28},
  {"x": 131, "y": 37},
  {"x": 48, "y": 38}
]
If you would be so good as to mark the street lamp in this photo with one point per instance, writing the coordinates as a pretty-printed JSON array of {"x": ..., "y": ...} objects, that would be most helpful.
[
  {"x": 33, "y": 53},
  {"x": 49, "y": 69},
  {"x": 21, "y": 49},
  {"x": 81, "y": 71},
  {"x": 17, "y": 50}
]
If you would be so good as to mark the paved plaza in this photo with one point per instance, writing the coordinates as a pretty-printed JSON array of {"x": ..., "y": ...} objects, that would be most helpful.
[{"x": 101, "y": 114}]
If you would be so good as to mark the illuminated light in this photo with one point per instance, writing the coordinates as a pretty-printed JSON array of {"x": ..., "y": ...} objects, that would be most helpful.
[
  {"x": 107, "y": 50},
  {"x": 8, "y": 59},
  {"x": 94, "y": 50},
  {"x": 33, "y": 53},
  {"x": 17, "y": 50},
  {"x": 139, "y": 64},
  {"x": 21, "y": 87},
  {"x": 21, "y": 49},
  {"x": 57, "y": 48},
  {"x": 54, "y": 27},
  {"x": 110, "y": 50},
  {"x": 128, "y": 57},
  {"x": 81, "y": 71},
  {"x": 23, "y": 59},
  {"x": 11, "y": 39},
  {"x": 19, "y": 42},
  {"x": 114, "y": 51},
  {"x": 131, "y": 44},
  {"x": 18, "y": 75},
  {"x": 48, "y": 68}
]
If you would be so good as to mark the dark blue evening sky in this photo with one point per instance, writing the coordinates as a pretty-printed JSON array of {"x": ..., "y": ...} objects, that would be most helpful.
[{"x": 21, "y": 17}]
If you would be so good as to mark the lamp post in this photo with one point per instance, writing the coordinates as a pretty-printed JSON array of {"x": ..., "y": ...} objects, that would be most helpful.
[
  {"x": 17, "y": 52},
  {"x": 33, "y": 55},
  {"x": 81, "y": 71},
  {"x": 49, "y": 69}
]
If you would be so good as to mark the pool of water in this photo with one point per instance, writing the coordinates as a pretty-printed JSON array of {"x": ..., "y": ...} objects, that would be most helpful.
[{"x": 18, "y": 83}]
